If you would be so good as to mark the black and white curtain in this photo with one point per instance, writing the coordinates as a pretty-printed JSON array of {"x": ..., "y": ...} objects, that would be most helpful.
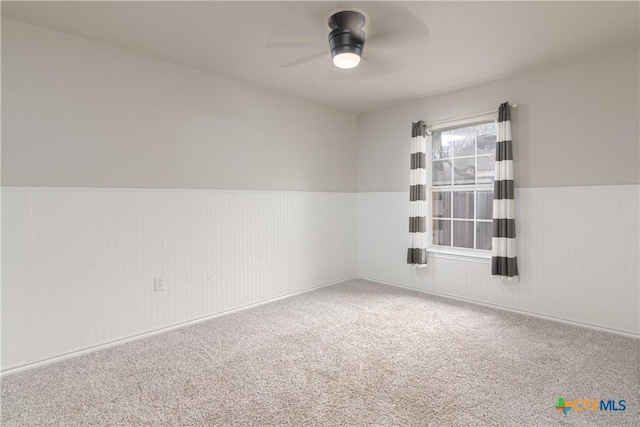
[
  {"x": 504, "y": 262},
  {"x": 417, "y": 252}
]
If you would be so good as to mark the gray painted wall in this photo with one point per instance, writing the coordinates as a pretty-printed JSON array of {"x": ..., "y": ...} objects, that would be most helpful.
[
  {"x": 577, "y": 123},
  {"x": 81, "y": 114}
]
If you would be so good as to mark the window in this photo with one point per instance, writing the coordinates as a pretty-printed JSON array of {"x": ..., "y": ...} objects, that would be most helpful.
[{"x": 462, "y": 171}]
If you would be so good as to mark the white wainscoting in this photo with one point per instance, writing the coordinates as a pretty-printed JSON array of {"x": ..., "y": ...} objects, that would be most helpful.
[
  {"x": 578, "y": 252},
  {"x": 78, "y": 265}
]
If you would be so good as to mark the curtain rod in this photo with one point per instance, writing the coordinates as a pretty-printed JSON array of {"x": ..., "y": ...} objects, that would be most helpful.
[{"x": 466, "y": 116}]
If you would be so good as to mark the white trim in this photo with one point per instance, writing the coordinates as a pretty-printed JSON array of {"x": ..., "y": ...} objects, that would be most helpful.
[
  {"x": 86, "y": 350},
  {"x": 471, "y": 255},
  {"x": 162, "y": 190},
  {"x": 466, "y": 117},
  {"x": 504, "y": 308},
  {"x": 114, "y": 343},
  {"x": 517, "y": 188},
  {"x": 462, "y": 187},
  {"x": 213, "y": 190},
  {"x": 453, "y": 252},
  {"x": 468, "y": 120}
]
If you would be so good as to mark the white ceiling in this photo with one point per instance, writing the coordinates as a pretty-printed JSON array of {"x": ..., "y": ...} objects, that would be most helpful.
[{"x": 440, "y": 46}]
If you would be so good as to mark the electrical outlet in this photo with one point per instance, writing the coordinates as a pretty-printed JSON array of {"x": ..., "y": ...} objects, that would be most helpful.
[{"x": 158, "y": 284}]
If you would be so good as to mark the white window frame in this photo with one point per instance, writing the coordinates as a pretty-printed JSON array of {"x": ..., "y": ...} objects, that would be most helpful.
[{"x": 466, "y": 254}]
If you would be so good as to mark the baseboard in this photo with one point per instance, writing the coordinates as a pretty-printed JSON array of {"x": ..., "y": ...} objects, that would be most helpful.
[
  {"x": 86, "y": 350},
  {"x": 79, "y": 352},
  {"x": 505, "y": 308}
]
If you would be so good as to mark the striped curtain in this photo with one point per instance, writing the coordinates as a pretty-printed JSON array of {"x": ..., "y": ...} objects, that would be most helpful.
[
  {"x": 417, "y": 252},
  {"x": 504, "y": 262}
]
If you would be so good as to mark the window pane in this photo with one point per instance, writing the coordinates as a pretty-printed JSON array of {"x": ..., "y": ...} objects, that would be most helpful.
[
  {"x": 464, "y": 141},
  {"x": 463, "y": 204},
  {"x": 442, "y": 232},
  {"x": 463, "y": 234},
  {"x": 487, "y": 138},
  {"x": 483, "y": 238},
  {"x": 486, "y": 169},
  {"x": 441, "y": 204},
  {"x": 484, "y": 205},
  {"x": 441, "y": 149},
  {"x": 465, "y": 171},
  {"x": 441, "y": 172}
]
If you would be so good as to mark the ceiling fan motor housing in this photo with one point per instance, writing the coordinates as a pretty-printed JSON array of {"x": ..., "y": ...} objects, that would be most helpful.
[{"x": 347, "y": 35}]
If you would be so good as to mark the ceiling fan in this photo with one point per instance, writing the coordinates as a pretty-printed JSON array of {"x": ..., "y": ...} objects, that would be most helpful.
[{"x": 352, "y": 35}]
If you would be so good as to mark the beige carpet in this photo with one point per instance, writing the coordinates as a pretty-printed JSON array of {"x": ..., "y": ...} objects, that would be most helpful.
[{"x": 357, "y": 353}]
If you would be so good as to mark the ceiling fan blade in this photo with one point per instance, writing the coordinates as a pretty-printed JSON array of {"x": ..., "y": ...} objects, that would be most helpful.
[
  {"x": 293, "y": 45},
  {"x": 381, "y": 63},
  {"x": 305, "y": 59},
  {"x": 298, "y": 27},
  {"x": 387, "y": 19},
  {"x": 410, "y": 38},
  {"x": 387, "y": 56},
  {"x": 393, "y": 26}
]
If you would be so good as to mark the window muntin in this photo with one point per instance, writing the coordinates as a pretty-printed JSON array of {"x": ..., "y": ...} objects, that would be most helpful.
[{"x": 462, "y": 173}]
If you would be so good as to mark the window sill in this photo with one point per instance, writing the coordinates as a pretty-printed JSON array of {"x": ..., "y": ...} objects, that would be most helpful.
[{"x": 482, "y": 257}]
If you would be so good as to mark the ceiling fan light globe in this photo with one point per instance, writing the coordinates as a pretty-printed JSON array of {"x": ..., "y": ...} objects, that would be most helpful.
[{"x": 346, "y": 60}]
